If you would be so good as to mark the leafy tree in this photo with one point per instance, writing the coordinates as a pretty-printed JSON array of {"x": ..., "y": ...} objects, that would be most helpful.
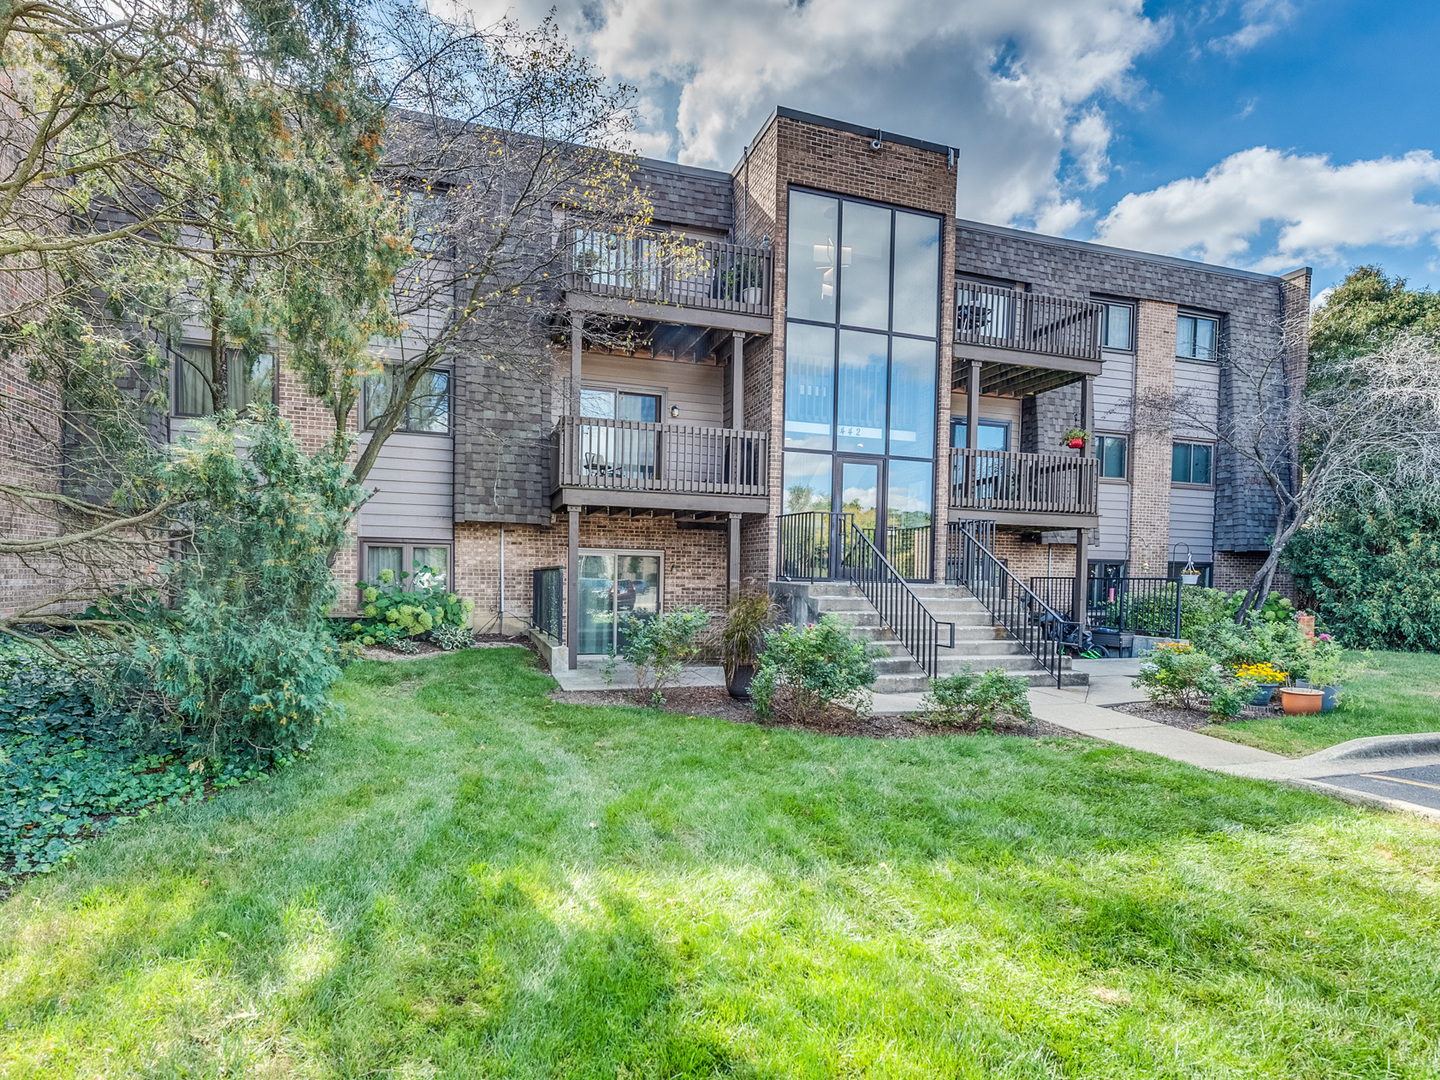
[{"x": 1366, "y": 310}]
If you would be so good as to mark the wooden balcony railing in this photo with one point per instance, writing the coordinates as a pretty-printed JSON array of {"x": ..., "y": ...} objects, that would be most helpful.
[
  {"x": 681, "y": 459},
  {"x": 1023, "y": 483},
  {"x": 1027, "y": 321},
  {"x": 711, "y": 274}
]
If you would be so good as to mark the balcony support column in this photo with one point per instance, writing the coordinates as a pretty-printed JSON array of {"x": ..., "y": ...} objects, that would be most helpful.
[
  {"x": 737, "y": 380},
  {"x": 734, "y": 556},
  {"x": 572, "y": 590},
  {"x": 971, "y": 479},
  {"x": 1082, "y": 568},
  {"x": 577, "y": 340}
]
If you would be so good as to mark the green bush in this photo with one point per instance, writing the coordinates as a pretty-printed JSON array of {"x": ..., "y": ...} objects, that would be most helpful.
[
  {"x": 244, "y": 656},
  {"x": 451, "y": 638},
  {"x": 1183, "y": 677},
  {"x": 1373, "y": 572},
  {"x": 1202, "y": 608},
  {"x": 978, "y": 702},
  {"x": 661, "y": 645},
  {"x": 390, "y": 612},
  {"x": 820, "y": 664}
]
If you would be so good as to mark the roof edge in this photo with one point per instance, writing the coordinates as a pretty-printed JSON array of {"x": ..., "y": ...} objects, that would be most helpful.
[
  {"x": 858, "y": 129},
  {"x": 1147, "y": 256}
]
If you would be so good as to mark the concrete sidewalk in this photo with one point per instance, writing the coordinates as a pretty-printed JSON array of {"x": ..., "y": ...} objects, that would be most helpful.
[{"x": 1351, "y": 770}]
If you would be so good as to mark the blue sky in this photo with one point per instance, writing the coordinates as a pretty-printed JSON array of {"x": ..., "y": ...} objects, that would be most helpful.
[{"x": 1265, "y": 134}]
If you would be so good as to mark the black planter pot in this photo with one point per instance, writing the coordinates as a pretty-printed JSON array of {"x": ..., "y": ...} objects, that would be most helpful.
[{"x": 737, "y": 681}]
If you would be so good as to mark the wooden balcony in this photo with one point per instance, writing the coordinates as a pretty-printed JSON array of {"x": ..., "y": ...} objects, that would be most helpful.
[
  {"x": 1028, "y": 341},
  {"x": 1044, "y": 490},
  {"x": 634, "y": 465},
  {"x": 711, "y": 282}
]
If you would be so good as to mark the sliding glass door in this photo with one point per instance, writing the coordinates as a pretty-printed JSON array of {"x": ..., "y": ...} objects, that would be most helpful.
[{"x": 614, "y": 584}]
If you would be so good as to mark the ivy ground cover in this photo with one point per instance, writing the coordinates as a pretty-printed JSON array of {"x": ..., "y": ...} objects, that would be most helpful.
[{"x": 464, "y": 879}]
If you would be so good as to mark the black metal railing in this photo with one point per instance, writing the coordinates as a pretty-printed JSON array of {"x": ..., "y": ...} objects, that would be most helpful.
[
  {"x": 891, "y": 595},
  {"x": 970, "y": 561},
  {"x": 909, "y": 549},
  {"x": 1149, "y": 606},
  {"x": 825, "y": 546},
  {"x": 547, "y": 601}
]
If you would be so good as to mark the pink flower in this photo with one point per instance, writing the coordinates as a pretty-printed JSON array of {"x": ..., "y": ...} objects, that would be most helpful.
[{"x": 1326, "y": 637}]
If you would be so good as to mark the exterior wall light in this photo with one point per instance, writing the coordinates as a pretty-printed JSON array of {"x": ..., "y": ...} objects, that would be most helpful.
[{"x": 674, "y": 412}]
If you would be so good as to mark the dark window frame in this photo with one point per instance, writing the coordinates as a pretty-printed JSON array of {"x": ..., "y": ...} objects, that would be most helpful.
[
  {"x": 404, "y": 426},
  {"x": 407, "y": 557},
  {"x": 1194, "y": 484},
  {"x": 1107, "y": 304},
  {"x": 179, "y": 359},
  {"x": 1099, "y": 440},
  {"x": 1198, "y": 317}
]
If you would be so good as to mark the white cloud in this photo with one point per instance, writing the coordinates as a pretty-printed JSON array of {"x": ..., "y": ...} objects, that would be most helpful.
[
  {"x": 1259, "y": 20},
  {"x": 1019, "y": 87},
  {"x": 1315, "y": 210}
]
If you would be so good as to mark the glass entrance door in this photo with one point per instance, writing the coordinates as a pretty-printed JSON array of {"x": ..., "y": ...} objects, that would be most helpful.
[
  {"x": 614, "y": 585},
  {"x": 857, "y": 493}
]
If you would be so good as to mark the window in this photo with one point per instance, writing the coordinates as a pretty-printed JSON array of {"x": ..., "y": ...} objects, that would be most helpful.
[
  {"x": 1205, "y": 569},
  {"x": 414, "y": 565},
  {"x": 1196, "y": 337},
  {"x": 428, "y": 410},
  {"x": 248, "y": 382},
  {"x": 1110, "y": 452},
  {"x": 1118, "y": 328},
  {"x": 994, "y": 434},
  {"x": 619, "y": 405},
  {"x": 425, "y": 214},
  {"x": 1190, "y": 463}
]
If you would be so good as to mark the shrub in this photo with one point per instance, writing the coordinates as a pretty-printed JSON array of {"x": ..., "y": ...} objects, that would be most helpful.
[
  {"x": 391, "y": 612},
  {"x": 243, "y": 655},
  {"x": 979, "y": 702},
  {"x": 747, "y": 619},
  {"x": 1182, "y": 677},
  {"x": 1202, "y": 608},
  {"x": 660, "y": 645},
  {"x": 820, "y": 664},
  {"x": 451, "y": 638}
]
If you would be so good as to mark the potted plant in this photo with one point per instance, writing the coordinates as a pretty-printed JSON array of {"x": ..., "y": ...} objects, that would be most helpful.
[
  {"x": 747, "y": 618},
  {"x": 1300, "y": 700},
  {"x": 1076, "y": 438},
  {"x": 1327, "y": 669},
  {"x": 1190, "y": 576},
  {"x": 741, "y": 281},
  {"x": 1266, "y": 677}
]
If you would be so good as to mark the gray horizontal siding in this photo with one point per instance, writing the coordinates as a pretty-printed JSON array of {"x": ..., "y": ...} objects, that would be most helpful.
[
  {"x": 1115, "y": 392},
  {"x": 1110, "y": 541},
  {"x": 1192, "y": 521},
  {"x": 1197, "y": 390},
  {"x": 413, "y": 485}
]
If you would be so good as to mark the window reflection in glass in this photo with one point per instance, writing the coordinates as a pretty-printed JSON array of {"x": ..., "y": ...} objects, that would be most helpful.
[
  {"x": 248, "y": 381},
  {"x": 814, "y": 257},
  {"x": 865, "y": 273},
  {"x": 807, "y": 483},
  {"x": 860, "y": 393},
  {"x": 917, "y": 274},
  {"x": 910, "y": 494},
  {"x": 912, "y": 397},
  {"x": 809, "y": 386},
  {"x": 428, "y": 410}
]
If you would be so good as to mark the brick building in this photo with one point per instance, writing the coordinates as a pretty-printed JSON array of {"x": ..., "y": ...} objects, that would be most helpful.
[{"x": 848, "y": 354}]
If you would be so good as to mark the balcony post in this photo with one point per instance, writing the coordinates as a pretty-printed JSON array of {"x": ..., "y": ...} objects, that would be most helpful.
[
  {"x": 737, "y": 380},
  {"x": 577, "y": 337},
  {"x": 972, "y": 434},
  {"x": 572, "y": 590},
  {"x": 1082, "y": 568}
]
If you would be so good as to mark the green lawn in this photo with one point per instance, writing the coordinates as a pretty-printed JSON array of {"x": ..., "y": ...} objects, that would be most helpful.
[
  {"x": 464, "y": 879},
  {"x": 1399, "y": 693}
]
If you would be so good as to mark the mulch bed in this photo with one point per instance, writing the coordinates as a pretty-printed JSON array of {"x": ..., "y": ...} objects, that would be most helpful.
[
  {"x": 426, "y": 648},
  {"x": 1186, "y": 718},
  {"x": 715, "y": 701}
]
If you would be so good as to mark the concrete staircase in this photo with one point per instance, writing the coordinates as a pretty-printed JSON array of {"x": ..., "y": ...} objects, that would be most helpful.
[{"x": 978, "y": 641}]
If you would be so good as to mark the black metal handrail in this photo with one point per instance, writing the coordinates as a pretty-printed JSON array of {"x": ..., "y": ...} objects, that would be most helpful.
[
  {"x": 891, "y": 595},
  {"x": 970, "y": 561},
  {"x": 547, "y": 601},
  {"x": 1149, "y": 606},
  {"x": 810, "y": 545}
]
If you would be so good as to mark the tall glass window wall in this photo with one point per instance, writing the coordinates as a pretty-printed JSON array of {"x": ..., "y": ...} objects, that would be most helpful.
[{"x": 861, "y": 352}]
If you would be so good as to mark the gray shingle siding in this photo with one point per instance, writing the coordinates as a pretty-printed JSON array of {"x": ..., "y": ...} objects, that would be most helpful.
[
  {"x": 502, "y": 442},
  {"x": 687, "y": 197},
  {"x": 1251, "y": 305}
]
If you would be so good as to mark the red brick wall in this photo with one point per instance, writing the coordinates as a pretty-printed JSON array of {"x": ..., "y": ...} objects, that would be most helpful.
[{"x": 694, "y": 565}]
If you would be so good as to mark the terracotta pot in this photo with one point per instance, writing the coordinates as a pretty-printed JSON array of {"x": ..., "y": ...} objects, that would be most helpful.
[{"x": 1300, "y": 702}]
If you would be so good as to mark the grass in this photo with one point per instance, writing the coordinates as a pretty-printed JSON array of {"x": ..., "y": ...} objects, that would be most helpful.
[
  {"x": 464, "y": 879},
  {"x": 1397, "y": 694}
]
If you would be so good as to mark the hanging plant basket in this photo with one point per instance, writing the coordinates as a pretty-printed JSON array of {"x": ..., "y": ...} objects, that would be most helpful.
[{"x": 1076, "y": 438}]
